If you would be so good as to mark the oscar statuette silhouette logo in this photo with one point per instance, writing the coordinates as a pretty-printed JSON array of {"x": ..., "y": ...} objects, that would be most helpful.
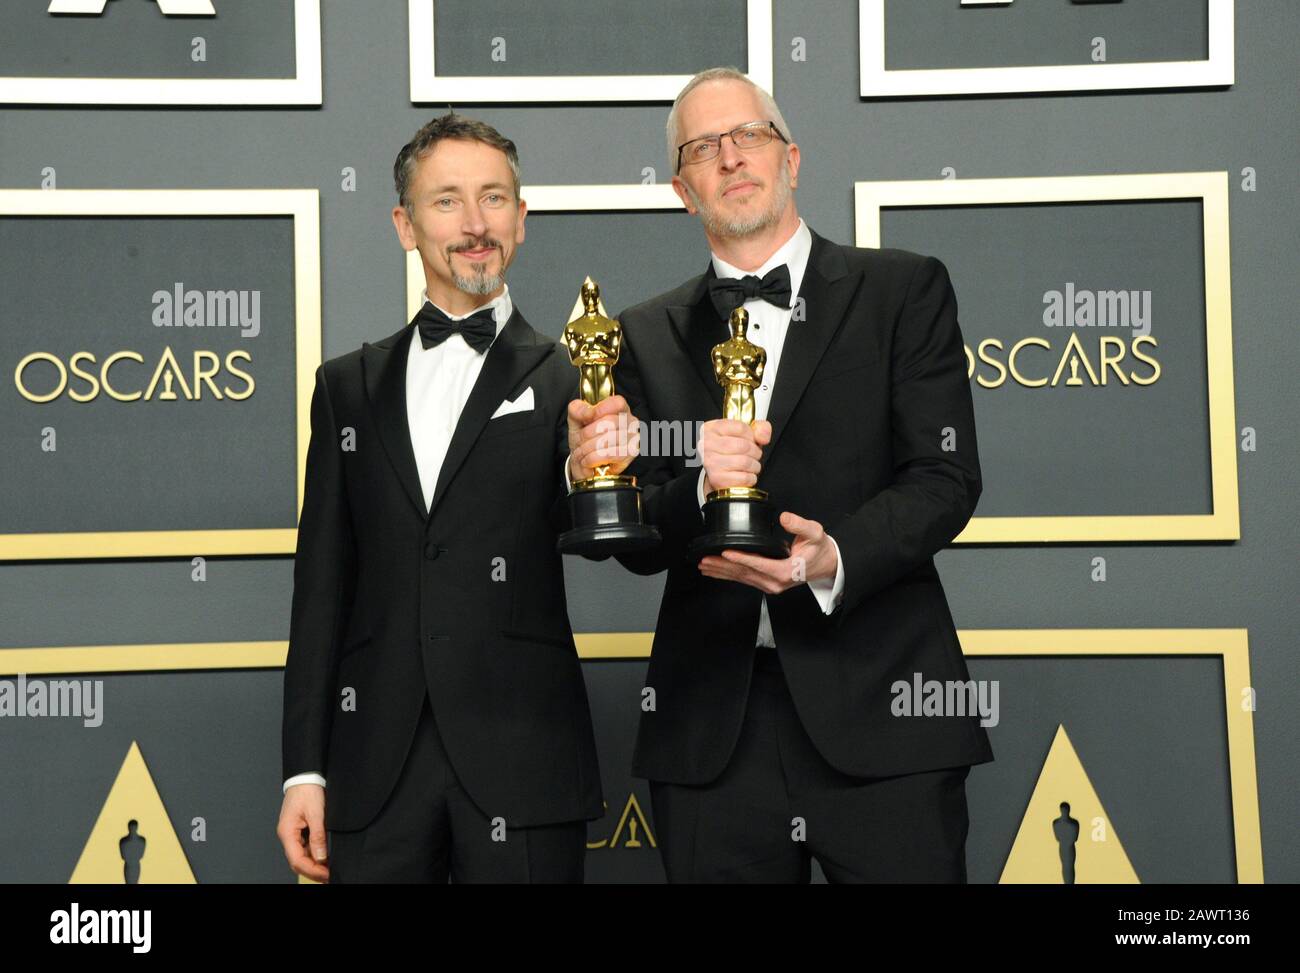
[
  {"x": 1066, "y": 837},
  {"x": 133, "y": 841}
]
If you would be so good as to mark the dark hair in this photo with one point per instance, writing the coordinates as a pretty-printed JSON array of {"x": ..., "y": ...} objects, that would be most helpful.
[{"x": 448, "y": 126}]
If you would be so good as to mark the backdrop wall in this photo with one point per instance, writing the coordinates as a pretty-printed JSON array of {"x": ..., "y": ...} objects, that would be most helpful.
[{"x": 1151, "y": 725}]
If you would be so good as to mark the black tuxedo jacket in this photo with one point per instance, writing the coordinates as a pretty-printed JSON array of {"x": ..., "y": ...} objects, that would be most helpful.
[
  {"x": 465, "y": 603},
  {"x": 867, "y": 389}
]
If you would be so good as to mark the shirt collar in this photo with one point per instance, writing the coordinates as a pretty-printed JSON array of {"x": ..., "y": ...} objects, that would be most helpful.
[
  {"x": 793, "y": 253},
  {"x": 501, "y": 305}
]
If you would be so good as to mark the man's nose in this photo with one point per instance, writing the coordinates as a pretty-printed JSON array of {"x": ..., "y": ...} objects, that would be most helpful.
[
  {"x": 730, "y": 158},
  {"x": 474, "y": 224}
]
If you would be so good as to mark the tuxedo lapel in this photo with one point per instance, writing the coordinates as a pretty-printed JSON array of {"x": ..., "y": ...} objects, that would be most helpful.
[
  {"x": 384, "y": 367},
  {"x": 698, "y": 329},
  {"x": 514, "y": 353},
  {"x": 826, "y": 290}
]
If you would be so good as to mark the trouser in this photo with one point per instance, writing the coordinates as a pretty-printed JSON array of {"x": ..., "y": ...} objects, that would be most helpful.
[
  {"x": 779, "y": 804},
  {"x": 430, "y": 830}
]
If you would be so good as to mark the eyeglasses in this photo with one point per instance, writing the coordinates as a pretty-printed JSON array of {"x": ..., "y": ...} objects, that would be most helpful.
[{"x": 748, "y": 136}]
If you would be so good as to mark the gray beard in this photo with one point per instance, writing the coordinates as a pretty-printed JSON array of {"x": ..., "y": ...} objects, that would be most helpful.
[
  {"x": 479, "y": 284},
  {"x": 720, "y": 226}
]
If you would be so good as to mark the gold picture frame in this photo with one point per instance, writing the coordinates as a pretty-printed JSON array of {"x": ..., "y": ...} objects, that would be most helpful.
[
  {"x": 1231, "y": 645},
  {"x": 302, "y": 89},
  {"x": 1223, "y": 523},
  {"x": 427, "y": 86},
  {"x": 877, "y": 81},
  {"x": 303, "y": 205}
]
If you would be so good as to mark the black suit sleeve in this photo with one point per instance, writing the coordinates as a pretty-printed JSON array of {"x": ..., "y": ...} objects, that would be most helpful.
[
  {"x": 324, "y": 578},
  {"x": 669, "y": 501},
  {"x": 936, "y": 464},
  {"x": 559, "y": 514}
]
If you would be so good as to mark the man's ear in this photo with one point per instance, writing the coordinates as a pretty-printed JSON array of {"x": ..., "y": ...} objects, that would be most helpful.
[
  {"x": 519, "y": 230},
  {"x": 405, "y": 232},
  {"x": 792, "y": 160},
  {"x": 679, "y": 188}
]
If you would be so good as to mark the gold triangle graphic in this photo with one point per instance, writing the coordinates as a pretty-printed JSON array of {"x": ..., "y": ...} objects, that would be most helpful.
[
  {"x": 133, "y": 798},
  {"x": 1052, "y": 838},
  {"x": 638, "y": 828}
]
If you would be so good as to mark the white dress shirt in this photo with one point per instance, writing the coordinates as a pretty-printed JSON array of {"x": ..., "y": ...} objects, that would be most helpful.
[
  {"x": 768, "y": 325},
  {"x": 438, "y": 383}
]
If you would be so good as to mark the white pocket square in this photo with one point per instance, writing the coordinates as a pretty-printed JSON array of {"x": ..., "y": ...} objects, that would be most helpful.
[{"x": 522, "y": 404}]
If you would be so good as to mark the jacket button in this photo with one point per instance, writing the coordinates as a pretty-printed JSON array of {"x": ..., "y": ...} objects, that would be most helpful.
[{"x": 431, "y": 551}]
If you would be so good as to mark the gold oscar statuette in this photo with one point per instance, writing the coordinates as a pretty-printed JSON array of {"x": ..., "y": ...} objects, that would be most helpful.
[
  {"x": 739, "y": 518},
  {"x": 605, "y": 508}
]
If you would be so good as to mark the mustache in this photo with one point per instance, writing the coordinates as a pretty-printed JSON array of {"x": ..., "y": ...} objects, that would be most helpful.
[
  {"x": 758, "y": 184},
  {"x": 475, "y": 245}
]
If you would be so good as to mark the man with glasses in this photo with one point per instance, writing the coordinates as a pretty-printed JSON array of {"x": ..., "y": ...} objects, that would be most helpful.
[{"x": 775, "y": 733}]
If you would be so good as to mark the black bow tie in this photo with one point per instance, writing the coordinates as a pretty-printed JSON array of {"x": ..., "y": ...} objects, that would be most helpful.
[
  {"x": 728, "y": 293},
  {"x": 478, "y": 329}
]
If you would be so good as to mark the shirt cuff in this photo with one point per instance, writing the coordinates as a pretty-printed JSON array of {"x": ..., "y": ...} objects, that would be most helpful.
[
  {"x": 303, "y": 779},
  {"x": 699, "y": 489},
  {"x": 830, "y": 592},
  {"x": 568, "y": 482}
]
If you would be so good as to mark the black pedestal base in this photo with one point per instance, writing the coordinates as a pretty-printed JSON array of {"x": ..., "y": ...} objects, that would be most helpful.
[
  {"x": 738, "y": 524},
  {"x": 606, "y": 521}
]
